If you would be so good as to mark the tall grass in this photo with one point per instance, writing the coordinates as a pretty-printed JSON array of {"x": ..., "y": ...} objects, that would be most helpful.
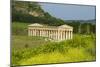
[{"x": 80, "y": 48}]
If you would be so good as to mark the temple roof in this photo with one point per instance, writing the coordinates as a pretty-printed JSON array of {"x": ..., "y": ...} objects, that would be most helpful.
[
  {"x": 35, "y": 24},
  {"x": 65, "y": 26},
  {"x": 40, "y": 25}
]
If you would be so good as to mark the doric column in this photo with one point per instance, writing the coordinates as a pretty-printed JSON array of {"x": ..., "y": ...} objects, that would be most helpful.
[
  {"x": 40, "y": 32},
  {"x": 31, "y": 32},
  {"x": 43, "y": 32},
  {"x": 49, "y": 33},
  {"x": 63, "y": 35},
  {"x": 37, "y": 33},
  {"x": 69, "y": 34},
  {"x": 53, "y": 33},
  {"x": 54, "y": 37},
  {"x": 66, "y": 35},
  {"x": 46, "y": 33},
  {"x": 56, "y": 34},
  {"x": 60, "y": 35},
  {"x": 34, "y": 32}
]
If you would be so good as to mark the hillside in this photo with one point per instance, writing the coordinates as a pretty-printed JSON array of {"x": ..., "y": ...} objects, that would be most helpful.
[
  {"x": 31, "y": 12},
  {"x": 31, "y": 8}
]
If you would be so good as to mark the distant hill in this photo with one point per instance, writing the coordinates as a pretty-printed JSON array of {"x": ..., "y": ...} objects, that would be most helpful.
[
  {"x": 90, "y": 21},
  {"x": 93, "y": 21}
]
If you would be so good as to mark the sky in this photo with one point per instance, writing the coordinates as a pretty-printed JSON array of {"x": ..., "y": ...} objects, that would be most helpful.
[{"x": 69, "y": 12}]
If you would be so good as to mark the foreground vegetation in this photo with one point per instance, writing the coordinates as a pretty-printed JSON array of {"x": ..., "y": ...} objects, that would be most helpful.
[{"x": 80, "y": 48}]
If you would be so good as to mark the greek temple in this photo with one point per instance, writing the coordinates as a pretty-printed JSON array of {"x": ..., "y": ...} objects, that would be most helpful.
[{"x": 56, "y": 33}]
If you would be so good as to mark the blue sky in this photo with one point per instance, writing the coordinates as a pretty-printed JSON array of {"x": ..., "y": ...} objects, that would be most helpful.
[{"x": 69, "y": 12}]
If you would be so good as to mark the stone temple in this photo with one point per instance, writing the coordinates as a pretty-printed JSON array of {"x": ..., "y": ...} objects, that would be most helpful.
[{"x": 56, "y": 33}]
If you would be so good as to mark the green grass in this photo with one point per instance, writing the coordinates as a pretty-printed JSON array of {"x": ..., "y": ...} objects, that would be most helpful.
[
  {"x": 19, "y": 28},
  {"x": 28, "y": 50},
  {"x": 65, "y": 51},
  {"x": 20, "y": 42}
]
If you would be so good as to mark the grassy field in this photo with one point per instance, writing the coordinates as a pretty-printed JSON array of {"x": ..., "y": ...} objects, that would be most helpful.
[
  {"x": 35, "y": 50},
  {"x": 20, "y": 42}
]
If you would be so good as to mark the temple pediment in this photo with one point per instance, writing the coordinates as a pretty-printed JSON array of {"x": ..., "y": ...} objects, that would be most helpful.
[
  {"x": 36, "y": 24},
  {"x": 66, "y": 26}
]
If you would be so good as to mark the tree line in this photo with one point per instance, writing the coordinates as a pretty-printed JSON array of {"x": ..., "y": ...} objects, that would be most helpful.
[{"x": 82, "y": 28}]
